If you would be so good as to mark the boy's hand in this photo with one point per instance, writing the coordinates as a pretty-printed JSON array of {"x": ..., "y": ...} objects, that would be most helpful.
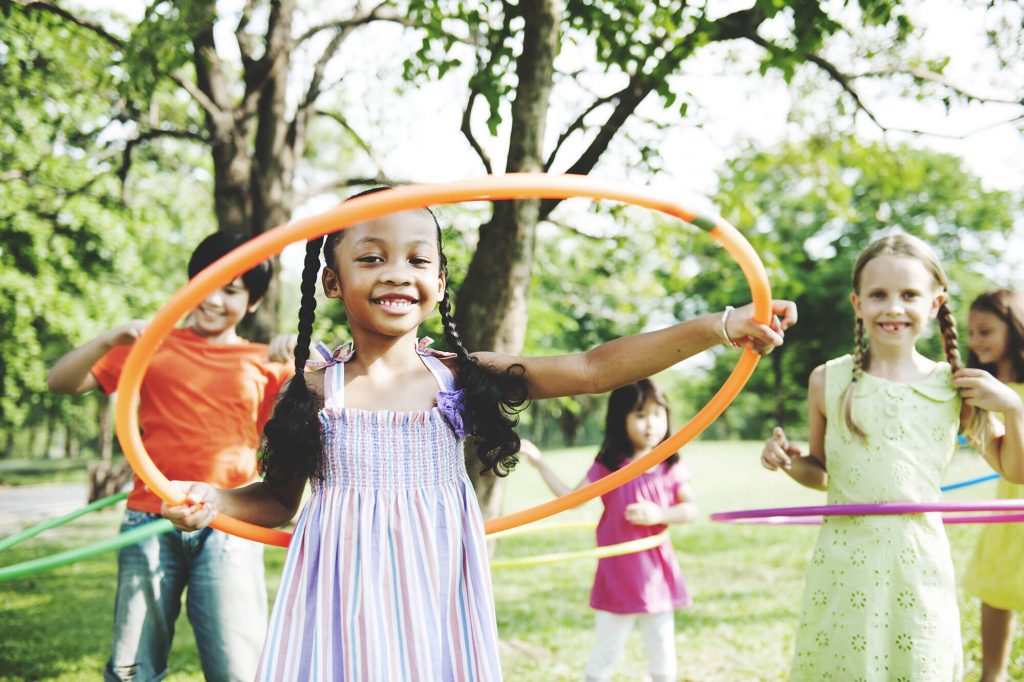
[
  {"x": 644, "y": 513},
  {"x": 529, "y": 452},
  {"x": 980, "y": 389},
  {"x": 763, "y": 339},
  {"x": 778, "y": 453},
  {"x": 199, "y": 508},
  {"x": 282, "y": 347},
  {"x": 126, "y": 334}
]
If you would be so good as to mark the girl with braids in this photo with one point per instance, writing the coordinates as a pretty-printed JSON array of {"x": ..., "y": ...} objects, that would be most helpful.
[
  {"x": 996, "y": 341},
  {"x": 386, "y": 577},
  {"x": 880, "y": 600}
]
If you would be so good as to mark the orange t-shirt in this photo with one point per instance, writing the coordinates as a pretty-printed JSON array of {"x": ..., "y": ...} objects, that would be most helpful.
[{"x": 202, "y": 407}]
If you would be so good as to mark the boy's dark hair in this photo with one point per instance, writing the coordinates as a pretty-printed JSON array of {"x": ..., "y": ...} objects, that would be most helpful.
[
  {"x": 218, "y": 245},
  {"x": 491, "y": 400},
  {"x": 616, "y": 447},
  {"x": 1008, "y": 306}
]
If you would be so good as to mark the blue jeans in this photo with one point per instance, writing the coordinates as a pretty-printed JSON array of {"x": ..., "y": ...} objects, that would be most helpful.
[{"x": 226, "y": 603}]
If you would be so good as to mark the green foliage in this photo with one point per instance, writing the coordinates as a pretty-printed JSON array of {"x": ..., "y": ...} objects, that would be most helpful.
[
  {"x": 75, "y": 259},
  {"x": 808, "y": 208}
]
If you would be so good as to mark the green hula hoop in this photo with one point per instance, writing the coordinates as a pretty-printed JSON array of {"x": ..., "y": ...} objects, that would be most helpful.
[
  {"x": 72, "y": 555},
  {"x": 33, "y": 531}
]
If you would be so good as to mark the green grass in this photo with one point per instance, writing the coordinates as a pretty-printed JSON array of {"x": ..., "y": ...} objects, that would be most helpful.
[{"x": 746, "y": 582}]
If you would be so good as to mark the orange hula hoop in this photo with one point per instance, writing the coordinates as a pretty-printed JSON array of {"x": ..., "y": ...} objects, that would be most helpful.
[{"x": 396, "y": 200}]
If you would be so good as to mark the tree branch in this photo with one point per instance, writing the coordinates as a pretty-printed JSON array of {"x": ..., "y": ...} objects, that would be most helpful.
[
  {"x": 343, "y": 122},
  {"x": 730, "y": 27},
  {"x": 474, "y": 90},
  {"x": 578, "y": 124},
  {"x": 244, "y": 40},
  {"x": 467, "y": 130},
  {"x": 93, "y": 26},
  {"x": 126, "y": 156},
  {"x": 376, "y": 14},
  {"x": 927, "y": 75},
  {"x": 376, "y": 181}
]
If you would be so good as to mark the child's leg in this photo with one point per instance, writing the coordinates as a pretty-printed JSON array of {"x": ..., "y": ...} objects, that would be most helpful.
[
  {"x": 610, "y": 633},
  {"x": 997, "y": 628},
  {"x": 150, "y": 578},
  {"x": 227, "y": 603},
  {"x": 659, "y": 635}
]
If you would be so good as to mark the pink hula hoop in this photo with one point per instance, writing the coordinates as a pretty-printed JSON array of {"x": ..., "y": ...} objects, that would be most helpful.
[{"x": 807, "y": 516}]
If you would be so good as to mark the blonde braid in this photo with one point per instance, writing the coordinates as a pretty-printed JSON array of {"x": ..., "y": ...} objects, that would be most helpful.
[
  {"x": 977, "y": 425},
  {"x": 859, "y": 353}
]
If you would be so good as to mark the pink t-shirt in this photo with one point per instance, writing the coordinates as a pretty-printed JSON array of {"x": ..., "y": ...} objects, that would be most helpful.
[{"x": 643, "y": 582}]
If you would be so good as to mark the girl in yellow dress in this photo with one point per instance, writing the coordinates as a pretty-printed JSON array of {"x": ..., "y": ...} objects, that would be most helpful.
[{"x": 996, "y": 342}]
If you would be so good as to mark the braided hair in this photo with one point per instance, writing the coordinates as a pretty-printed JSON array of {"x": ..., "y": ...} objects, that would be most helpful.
[{"x": 491, "y": 399}]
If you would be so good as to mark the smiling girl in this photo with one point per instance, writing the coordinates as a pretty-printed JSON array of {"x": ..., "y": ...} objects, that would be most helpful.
[{"x": 880, "y": 599}]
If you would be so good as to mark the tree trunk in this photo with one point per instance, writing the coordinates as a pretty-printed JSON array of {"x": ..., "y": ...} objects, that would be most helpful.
[
  {"x": 254, "y": 147},
  {"x": 105, "y": 438},
  {"x": 491, "y": 308},
  {"x": 778, "y": 393}
]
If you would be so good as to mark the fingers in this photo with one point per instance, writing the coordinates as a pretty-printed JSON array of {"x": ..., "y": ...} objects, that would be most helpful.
[
  {"x": 778, "y": 453},
  {"x": 787, "y": 311}
]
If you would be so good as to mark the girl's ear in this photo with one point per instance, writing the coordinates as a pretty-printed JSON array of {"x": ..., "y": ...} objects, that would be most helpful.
[
  {"x": 253, "y": 306},
  {"x": 855, "y": 302},
  {"x": 332, "y": 284},
  {"x": 442, "y": 283}
]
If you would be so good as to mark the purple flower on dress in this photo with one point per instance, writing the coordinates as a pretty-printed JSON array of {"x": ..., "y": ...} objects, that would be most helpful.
[{"x": 451, "y": 404}]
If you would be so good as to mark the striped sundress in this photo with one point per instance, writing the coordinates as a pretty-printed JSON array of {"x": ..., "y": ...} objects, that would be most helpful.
[{"x": 386, "y": 576}]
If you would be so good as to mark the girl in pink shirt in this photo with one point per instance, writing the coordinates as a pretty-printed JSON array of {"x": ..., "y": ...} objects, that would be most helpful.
[{"x": 646, "y": 586}]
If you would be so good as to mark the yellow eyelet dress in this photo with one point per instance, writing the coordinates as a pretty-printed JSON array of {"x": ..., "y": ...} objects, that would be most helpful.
[{"x": 994, "y": 573}]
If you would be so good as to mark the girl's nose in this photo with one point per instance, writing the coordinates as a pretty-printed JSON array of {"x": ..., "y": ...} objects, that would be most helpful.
[{"x": 397, "y": 274}]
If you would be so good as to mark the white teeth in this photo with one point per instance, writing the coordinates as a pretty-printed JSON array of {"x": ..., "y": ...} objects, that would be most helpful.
[{"x": 395, "y": 304}]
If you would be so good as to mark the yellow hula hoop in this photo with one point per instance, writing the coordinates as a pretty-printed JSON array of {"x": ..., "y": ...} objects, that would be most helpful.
[
  {"x": 631, "y": 547},
  {"x": 546, "y": 528}
]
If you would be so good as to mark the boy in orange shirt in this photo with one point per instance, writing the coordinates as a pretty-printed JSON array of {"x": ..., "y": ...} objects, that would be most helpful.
[{"x": 203, "y": 403}]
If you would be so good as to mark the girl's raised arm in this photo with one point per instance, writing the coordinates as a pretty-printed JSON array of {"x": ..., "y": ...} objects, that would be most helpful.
[
  {"x": 1004, "y": 443},
  {"x": 631, "y": 358}
]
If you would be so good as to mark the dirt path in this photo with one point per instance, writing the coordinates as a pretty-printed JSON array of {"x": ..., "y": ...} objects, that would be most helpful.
[{"x": 25, "y": 505}]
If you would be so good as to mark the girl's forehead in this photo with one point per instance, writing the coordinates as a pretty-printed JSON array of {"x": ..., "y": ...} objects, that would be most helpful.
[
  {"x": 649, "y": 403},
  {"x": 397, "y": 227},
  {"x": 896, "y": 272},
  {"x": 984, "y": 317}
]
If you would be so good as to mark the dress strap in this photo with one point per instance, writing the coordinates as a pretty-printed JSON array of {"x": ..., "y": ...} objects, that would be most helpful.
[
  {"x": 334, "y": 386},
  {"x": 444, "y": 377}
]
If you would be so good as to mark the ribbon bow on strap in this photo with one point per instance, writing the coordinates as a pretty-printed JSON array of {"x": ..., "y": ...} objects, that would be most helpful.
[
  {"x": 450, "y": 403},
  {"x": 342, "y": 353}
]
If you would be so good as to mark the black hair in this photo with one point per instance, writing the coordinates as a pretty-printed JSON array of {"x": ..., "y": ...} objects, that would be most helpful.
[
  {"x": 1008, "y": 306},
  {"x": 218, "y": 245},
  {"x": 491, "y": 399},
  {"x": 617, "y": 447}
]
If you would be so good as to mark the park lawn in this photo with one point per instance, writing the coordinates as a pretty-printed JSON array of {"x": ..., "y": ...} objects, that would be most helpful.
[{"x": 746, "y": 583}]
